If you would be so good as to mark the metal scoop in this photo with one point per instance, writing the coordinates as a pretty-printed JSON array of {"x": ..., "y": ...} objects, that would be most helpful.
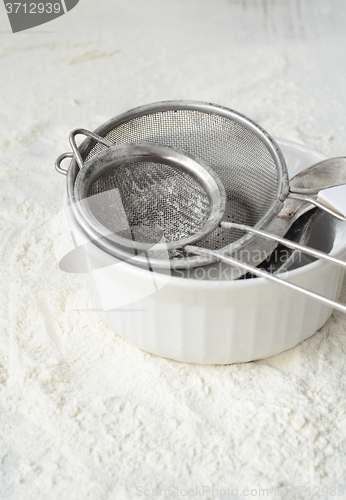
[{"x": 321, "y": 185}]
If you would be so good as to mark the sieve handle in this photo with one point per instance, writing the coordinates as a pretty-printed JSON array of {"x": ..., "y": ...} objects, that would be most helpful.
[
  {"x": 58, "y": 161},
  {"x": 286, "y": 242},
  {"x": 82, "y": 131},
  {"x": 264, "y": 274}
]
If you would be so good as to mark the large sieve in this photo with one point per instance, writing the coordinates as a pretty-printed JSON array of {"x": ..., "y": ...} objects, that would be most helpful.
[{"x": 247, "y": 160}]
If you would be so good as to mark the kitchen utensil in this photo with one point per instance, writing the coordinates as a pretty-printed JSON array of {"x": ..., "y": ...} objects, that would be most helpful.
[{"x": 144, "y": 194}]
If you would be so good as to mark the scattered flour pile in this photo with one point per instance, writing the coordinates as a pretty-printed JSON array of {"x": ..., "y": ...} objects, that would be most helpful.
[{"x": 83, "y": 414}]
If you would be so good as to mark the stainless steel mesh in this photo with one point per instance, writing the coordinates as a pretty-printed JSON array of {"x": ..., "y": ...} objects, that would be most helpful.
[
  {"x": 161, "y": 203},
  {"x": 241, "y": 160}
]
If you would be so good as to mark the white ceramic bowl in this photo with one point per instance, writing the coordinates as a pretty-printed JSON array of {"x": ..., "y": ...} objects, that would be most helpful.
[{"x": 217, "y": 322}]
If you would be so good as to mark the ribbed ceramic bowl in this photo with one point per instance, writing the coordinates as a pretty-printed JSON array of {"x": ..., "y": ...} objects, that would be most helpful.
[{"x": 216, "y": 321}]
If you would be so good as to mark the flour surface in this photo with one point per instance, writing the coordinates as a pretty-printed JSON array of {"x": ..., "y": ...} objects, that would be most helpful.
[{"x": 83, "y": 414}]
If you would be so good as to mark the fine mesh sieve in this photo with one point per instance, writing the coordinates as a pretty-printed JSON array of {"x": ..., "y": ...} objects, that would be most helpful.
[
  {"x": 140, "y": 195},
  {"x": 245, "y": 158},
  {"x": 240, "y": 158}
]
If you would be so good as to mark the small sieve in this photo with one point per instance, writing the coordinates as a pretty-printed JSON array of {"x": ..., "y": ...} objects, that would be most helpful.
[{"x": 140, "y": 195}]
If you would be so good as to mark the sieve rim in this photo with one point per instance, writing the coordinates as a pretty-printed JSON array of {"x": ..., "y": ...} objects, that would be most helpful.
[
  {"x": 115, "y": 156},
  {"x": 204, "y": 107}
]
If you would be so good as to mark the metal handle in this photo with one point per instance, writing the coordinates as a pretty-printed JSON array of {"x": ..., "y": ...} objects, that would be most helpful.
[
  {"x": 59, "y": 160},
  {"x": 286, "y": 242},
  {"x": 299, "y": 194},
  {"x": 74, "y": 146},
  {"x": 264, "y": 274}
]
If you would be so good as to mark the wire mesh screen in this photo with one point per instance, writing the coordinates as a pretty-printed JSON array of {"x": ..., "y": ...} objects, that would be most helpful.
[
  {"x": 243, "y": 163},
  {"x": 161, "y": 203}
]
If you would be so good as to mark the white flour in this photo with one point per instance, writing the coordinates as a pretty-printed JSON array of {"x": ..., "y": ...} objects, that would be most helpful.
[{"x": 83, "y": 413}]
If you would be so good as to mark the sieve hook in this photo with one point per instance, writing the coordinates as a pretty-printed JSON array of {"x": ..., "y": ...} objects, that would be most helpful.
[
  {"x": 87, "y": 133},
  {"x": 58, "y": 163}
]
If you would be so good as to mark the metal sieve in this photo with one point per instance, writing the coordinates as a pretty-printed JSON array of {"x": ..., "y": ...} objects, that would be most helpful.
[
  {"x": 137, "y": 196},
  {"x": 247, "y": 160}
]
